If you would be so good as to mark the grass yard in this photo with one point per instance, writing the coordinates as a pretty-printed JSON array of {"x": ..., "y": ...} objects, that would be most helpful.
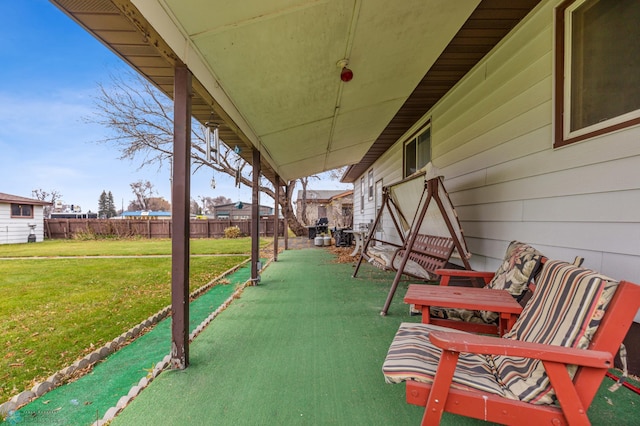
[
  {"x": 125, "y": 247},
  {"x": 54, "y": 311}
]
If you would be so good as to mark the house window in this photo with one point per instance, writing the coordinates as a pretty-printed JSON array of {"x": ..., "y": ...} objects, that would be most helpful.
[
  {"x": 22, "y": 210},
  {"x": 378, "y": 202},
  {"x": 362, "y": 194},
  {"x": 417, "y": 151},
  {"x": 597, "y": 68},
  {"x": 370, "y": 181}
]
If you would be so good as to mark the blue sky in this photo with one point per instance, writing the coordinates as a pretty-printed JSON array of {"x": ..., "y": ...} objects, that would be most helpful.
[{"x": 49, "y": 76}]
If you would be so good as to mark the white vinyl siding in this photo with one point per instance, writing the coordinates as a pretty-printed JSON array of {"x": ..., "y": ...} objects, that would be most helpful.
[
  {"x": 388, "y": 168},
  {"x": 16, "y": 229},
  {"x": 492, "y": 139}
]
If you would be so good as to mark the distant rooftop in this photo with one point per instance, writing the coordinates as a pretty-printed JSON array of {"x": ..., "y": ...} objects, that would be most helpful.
[
  {"x": 8, "y": 198},
  {"x": 146, "y": 213},
  {"x": 324, "y": 194}
]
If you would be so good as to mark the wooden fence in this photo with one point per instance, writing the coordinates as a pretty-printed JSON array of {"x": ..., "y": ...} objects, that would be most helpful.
[{"x": 150, "y": 228}]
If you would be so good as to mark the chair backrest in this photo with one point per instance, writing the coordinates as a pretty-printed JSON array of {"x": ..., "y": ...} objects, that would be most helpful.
[
  {"x": 565, "y": 310},
  {"x": 431, "y": 252},
  {"x": 614, "y": 327}
]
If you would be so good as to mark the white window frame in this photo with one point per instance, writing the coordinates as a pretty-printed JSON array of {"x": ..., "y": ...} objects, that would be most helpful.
[
  {"x": 415, "y": 138},
  {"x": 362, "y": 194}
]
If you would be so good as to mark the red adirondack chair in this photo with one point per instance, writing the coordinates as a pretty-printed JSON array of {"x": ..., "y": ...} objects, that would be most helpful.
[{"x": 546, "y": 370}]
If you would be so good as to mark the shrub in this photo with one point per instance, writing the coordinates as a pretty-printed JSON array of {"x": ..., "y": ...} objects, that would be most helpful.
[
  {"x": 84, "y": 235},
  {"x": 232, "y": 232}
]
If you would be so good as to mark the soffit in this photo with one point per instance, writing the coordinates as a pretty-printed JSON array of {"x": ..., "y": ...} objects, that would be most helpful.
[{"x": 267, "y": 70}]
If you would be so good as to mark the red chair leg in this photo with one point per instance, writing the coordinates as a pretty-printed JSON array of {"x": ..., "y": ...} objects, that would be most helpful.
[
  {"x": 440, "y": 388},
  {"x": 569, "y": 399}
]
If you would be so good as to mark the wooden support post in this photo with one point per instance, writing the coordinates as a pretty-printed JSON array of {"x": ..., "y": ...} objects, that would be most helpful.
[
  {"x": 276, "y": 219},
  {"x": 255, "y": 218},
  {"x": 286, "y": 224},
  {"x": 180, "y": 218}
]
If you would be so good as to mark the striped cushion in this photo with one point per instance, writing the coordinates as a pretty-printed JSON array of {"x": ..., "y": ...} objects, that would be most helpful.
[
  {"x": 382, "y": 256},
  {"x": 565, "y": 310},
  {"x": 413, "y": 357}
]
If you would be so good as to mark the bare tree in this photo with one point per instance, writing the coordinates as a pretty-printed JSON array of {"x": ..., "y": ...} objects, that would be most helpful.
[
  {"x": 208, "y": 203},
  {"x": 216, "y": 201},
  {"x": 158, "y": 204},
  {"x": 52, "y": 197},
  {"x": 141, "y": 119},
  {"x": 142, "y": 190},
  {"x": 194, "y": 207}
]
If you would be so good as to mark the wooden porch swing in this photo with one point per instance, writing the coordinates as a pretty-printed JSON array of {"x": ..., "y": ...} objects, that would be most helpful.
[{"x": 425, "y": 244}]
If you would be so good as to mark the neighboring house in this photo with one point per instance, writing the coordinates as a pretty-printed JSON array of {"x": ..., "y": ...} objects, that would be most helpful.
[
  {"x": 238, "y": 211},
  {"x": 538, "y": 142},
  {"x": 21, "y": 219},
  {"x": 146, "y": 215},
  {"x": 71, "y": 215},
  {"x": 336, "y": 206}
]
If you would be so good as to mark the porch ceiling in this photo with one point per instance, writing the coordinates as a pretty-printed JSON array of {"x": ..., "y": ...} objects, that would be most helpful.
[{"x": 269, "y": 70}]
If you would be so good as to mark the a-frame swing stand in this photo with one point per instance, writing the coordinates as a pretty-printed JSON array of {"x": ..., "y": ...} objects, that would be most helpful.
[{"x": 431, "y": 251}]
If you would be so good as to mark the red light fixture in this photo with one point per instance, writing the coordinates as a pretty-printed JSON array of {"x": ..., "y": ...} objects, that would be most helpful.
[{"x": 345, "y": 74}]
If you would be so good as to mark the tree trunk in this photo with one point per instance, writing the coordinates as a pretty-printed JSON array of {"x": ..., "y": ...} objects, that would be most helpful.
[{"x": 288, "y": 213}]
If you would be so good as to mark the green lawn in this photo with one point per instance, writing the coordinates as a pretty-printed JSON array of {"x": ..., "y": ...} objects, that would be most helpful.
[
  {"x": 54, "y": 311},
  {"x": 124, "y": 247}
]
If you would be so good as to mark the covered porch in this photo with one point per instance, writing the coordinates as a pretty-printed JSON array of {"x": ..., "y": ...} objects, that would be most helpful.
[
  {"x": 305, "y": 347},
  {"x": 281, "y": 100},
  {"x": 295, "y": 87}
]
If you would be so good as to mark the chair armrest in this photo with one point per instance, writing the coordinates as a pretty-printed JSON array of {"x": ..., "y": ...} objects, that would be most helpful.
[
  {"x": 465, "y": 273},
  {"x": 447, "y": 274},
  {"x": 479, "y": 344}
]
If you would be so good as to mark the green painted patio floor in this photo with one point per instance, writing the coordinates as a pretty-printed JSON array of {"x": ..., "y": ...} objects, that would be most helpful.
[{"x": 305, "y": 347}]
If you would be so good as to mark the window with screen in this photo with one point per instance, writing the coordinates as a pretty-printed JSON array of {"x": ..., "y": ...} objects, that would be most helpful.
[{"x": 417, "y": 151}]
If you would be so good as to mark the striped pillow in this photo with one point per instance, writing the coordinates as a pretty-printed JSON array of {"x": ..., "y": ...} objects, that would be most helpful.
[{"x": 565, "y": 310}]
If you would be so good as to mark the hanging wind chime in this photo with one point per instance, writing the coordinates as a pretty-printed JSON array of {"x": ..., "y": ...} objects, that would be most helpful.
[
  {"x": 239, "y": 204},
  {"x": 212, "y": 142}
]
